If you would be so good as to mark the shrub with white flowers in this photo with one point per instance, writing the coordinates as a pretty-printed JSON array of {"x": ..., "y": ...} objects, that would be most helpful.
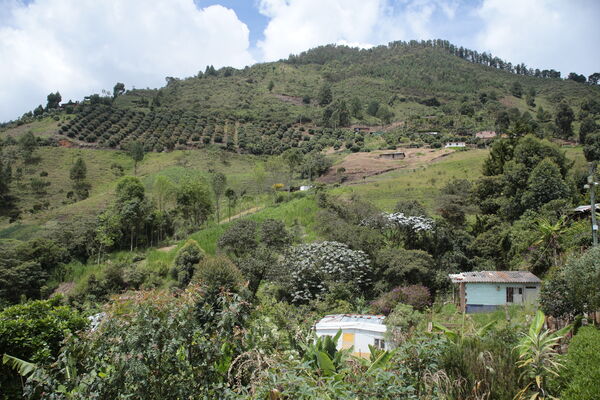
[
  {"x": 398, "y": 227},
  {"x": 312, "y": 267}
]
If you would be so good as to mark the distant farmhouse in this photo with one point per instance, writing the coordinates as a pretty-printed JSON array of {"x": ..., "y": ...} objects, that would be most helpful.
[
  {"x": 430, "y": 133},
  {"x": 484, "y": 291},
  {"x": 358, "y": 331},
  {"x": 456, "y": 144},
  {"x": 392, "y": 156},
  {"x": 485, "y": 135}
]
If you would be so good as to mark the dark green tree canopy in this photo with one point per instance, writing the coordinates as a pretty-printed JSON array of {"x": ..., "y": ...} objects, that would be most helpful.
[
  {"x": 78, "y": 171},
  {"x": 564, "y": 120},
  {"x": 118, "y": 89},
  {"x": 54, "y": 100},
  {"x": 325, "y": 96}
]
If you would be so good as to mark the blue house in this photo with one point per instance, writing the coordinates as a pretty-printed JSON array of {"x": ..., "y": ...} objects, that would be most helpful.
[{"x": 483, "y": 291}]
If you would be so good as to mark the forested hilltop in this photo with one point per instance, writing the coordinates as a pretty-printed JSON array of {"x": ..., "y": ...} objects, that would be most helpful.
[{"x": 182, "y": 242}]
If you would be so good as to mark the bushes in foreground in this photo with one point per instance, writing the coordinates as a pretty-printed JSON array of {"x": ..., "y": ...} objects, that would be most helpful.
[{"x": 581, "y": 372}]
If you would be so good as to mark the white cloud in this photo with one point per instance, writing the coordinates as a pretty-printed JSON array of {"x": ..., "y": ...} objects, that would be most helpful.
[
  {"x": 82, "y": 47},
  {"x": 298, "y": 25},
  {"x": 542, "y": 33}
]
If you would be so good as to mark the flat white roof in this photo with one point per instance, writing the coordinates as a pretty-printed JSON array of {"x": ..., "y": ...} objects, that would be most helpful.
[{"x": 365, "y": 322}]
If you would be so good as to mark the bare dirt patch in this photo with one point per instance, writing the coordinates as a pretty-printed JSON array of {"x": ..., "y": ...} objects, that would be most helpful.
[
  {"x": 297, "y": 100},
  {"x": 167, "y": 249},
  {"x": 358, "y": 166}
]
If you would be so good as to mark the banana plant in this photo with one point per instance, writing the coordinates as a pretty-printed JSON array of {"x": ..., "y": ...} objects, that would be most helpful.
[
  {"x": 537, "y": 358},
  {"x": 323, "y": 353},
  {"x": 457, "y": 336},
  {"x": 379, "y": 359}
]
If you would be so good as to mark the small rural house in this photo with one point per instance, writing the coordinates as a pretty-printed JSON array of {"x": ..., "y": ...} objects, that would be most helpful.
[
  {"x": 456, "y": 144},
  {"x": 358, "y": 331},
  {"x": 483, "y": 291},
  {"x": 485, "y": 135},
  {"x": 392, "y": 156}
]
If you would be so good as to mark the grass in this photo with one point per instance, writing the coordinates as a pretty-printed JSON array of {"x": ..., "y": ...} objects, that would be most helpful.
[
  {"x": 422, "y": 183},
  {"x": 56, "y": 162}
]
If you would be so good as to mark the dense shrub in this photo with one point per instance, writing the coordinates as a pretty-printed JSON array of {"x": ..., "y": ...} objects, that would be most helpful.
[
  {"x": 581, "y": 373},
  {"x": 151, "y": 345},
  {"x": 219, "y": 273},
  {"x": 33, "y": 332},
  {"x": 417, "y": 296},
  {"x": 186, "y": 260},
  {"x": 314, "y": 267}
]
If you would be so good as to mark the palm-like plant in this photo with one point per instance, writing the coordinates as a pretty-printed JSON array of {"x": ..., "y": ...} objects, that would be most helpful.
[
  {"x": 537, "y": 358},
  {"x": 325, "y": 356},
  {"x": 549, "y": 237}
]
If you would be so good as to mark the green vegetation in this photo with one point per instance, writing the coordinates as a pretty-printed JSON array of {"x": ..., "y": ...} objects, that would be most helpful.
[{"x": 175, "y": 219}]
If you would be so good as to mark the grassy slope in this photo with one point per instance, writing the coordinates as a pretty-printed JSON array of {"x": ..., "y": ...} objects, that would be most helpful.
[
  {"x": 409, "y": 73},
  {"x": 422, "y": 183},
  {"x": 299, "y": 214},
  {"x": 57, "y": 161}
]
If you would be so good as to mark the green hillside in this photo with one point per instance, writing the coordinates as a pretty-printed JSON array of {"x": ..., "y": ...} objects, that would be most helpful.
[
  {"x": 311, "y": 100},
  {"x": 182, "y": 242}
]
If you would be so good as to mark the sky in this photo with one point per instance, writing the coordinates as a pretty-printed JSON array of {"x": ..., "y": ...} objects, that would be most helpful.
[{"x": 80, "y": 47}]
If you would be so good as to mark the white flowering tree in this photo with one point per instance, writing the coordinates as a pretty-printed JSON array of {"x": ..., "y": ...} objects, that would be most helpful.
[
  {"x": 398, "y": 227},
  {"x": 313, "y": 267}
]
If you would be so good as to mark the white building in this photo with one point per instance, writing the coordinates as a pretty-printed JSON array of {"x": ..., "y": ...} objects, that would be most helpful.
[
  {"x": 358, "y": 331},
  {"x": 456, "y": 144}
]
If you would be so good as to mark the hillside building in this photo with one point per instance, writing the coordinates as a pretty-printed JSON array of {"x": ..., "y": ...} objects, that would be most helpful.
[
  {"x": 358, "y": 331},
  {"x": 484, "y": 291},
  {"x": 485, "y": 135},
  {"x": 455, "y": 144},
  {"x": 393, "y": 156}
]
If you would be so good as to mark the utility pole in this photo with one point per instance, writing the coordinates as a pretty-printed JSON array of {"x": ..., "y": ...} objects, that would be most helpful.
[{"x": 592, "y": 188}]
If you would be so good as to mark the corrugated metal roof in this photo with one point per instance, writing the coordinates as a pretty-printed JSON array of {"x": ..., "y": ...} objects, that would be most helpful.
[
  {"x": 372, "y": 319},
  {"x": 495, "y": 277}
]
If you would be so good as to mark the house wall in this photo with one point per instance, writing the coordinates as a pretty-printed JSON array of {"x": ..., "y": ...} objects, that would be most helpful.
[
  {"x": 362, "y": 339},
  {"x": 494, "y": 294}
]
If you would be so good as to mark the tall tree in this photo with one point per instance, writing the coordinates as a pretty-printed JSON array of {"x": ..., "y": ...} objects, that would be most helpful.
[
  {"x": 219, "y": 184},
  {"x": 564, "y": 120},
  {"x": 231, "y": 200},
  {"x": 588, "y": 126},
  {"x": 193, "y": 202},
  {"x": 78, "y": 171},
  {"x": 39, "y": 110},
  {"x": 136, "y": 152},
  {"x": 118, "y": 89},
  {"x": 163, "y": 189},
  {"x": 5, "y": 178},
  {"x": 591, "y": 150},
  {"x": 54, "y": 100},
  {"x": 356, "y": 107},
  {"x": 594, "y": 78},
  {"x": 325, "y": 96},
  {"x": 131, "y": 206},
  {"x": 516, "y": 89},
  {"x": 78, "y": 174},
  {"x": 27, "y": 145}
]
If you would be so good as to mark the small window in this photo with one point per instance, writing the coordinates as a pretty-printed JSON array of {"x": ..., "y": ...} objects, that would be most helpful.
[
  {"x": 509, "y": 294},
  {"x": 380, "y": 344},
  {"x": 520, "y": 290}
]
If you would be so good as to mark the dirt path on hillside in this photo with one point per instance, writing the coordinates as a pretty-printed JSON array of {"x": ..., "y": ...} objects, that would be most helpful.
[
  {"x": 358, "y": 166},
  {"x": 243, "y": 213},
  {"x": 167, "y": 248}
]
